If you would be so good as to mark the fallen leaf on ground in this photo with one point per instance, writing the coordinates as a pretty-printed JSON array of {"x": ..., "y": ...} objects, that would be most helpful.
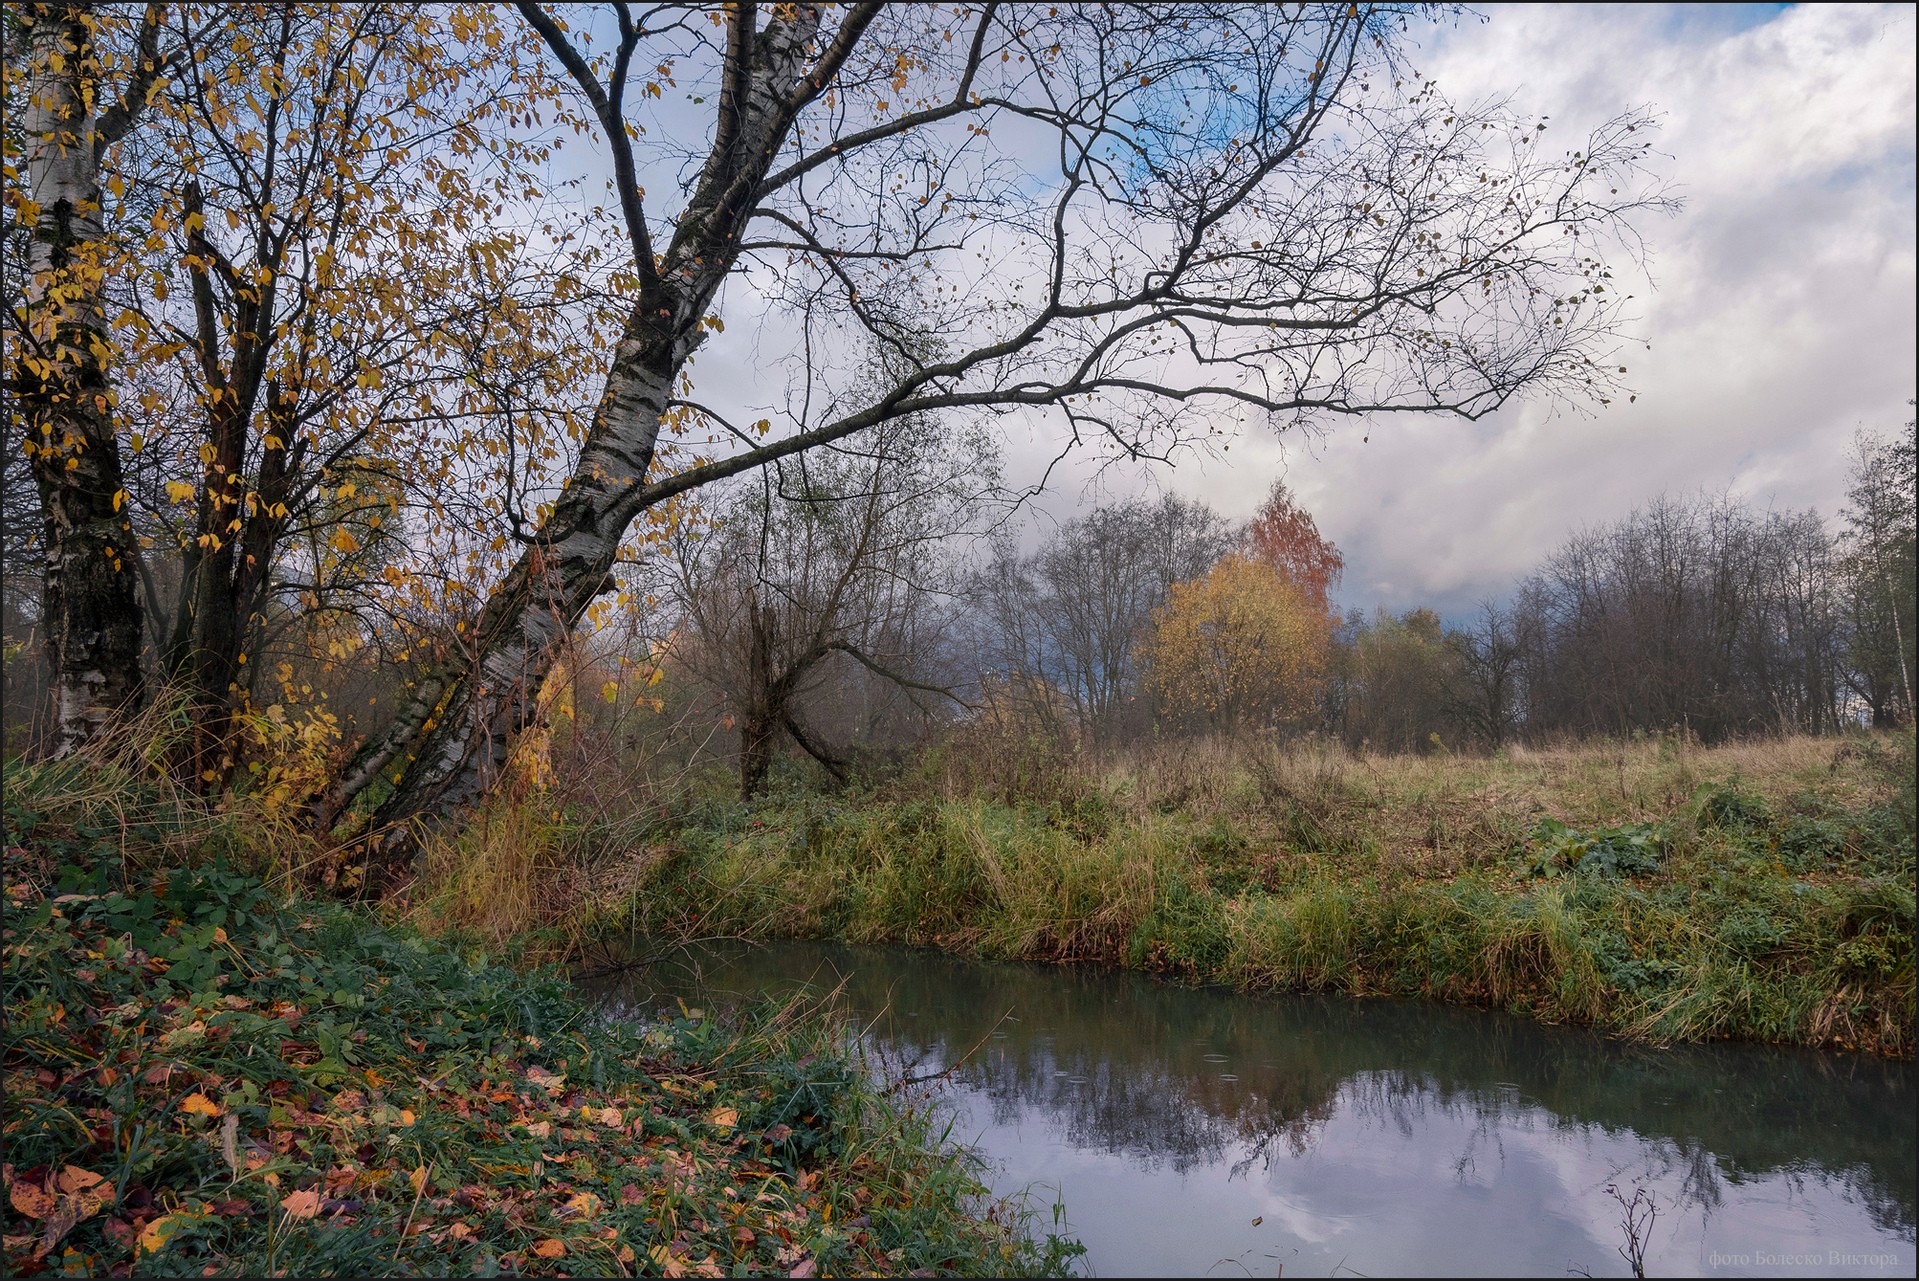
[
  {"x": 303, "y": 1204},
  {"x": 31, "y": 1200},
  {"x": 159, "y": 1230},
  {"x": 198, "y": 1104},
  {"x": 551, "y": 1248}
]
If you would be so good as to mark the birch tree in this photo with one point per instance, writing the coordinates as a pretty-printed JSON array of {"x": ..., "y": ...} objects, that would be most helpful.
[
  {"x": 76, "y": 91},
  {"x": 1124, "y": 223}
]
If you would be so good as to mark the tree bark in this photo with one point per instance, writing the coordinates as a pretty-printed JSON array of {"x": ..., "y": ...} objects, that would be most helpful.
[
  {"x": 466, "y": 736},
  {"x": 92, "y": 612}
]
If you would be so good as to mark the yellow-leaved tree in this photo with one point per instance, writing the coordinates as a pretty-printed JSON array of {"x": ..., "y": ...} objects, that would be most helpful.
[{"x": 1243, "y": 647}]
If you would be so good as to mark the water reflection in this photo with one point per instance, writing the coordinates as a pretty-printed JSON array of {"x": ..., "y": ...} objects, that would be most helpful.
[{"x": 1370, "y": 1136}]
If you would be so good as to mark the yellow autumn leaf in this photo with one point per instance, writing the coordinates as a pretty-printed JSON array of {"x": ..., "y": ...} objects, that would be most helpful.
[
  {"x": 610, "y": 691},
  {"x": 418, "y": 1180},
  {"x": 156, "y": 1233},
  {"x": 723, "y": 1118},
  {"x": 84, "y": 1192},
  {"x": 198, "y": 1104},
  {"x": 551, "y": 1248},
  {"x": 179, "y": 491},
  {"x": 344, "y": 541},
  {"x": 584, "y": 1204}
]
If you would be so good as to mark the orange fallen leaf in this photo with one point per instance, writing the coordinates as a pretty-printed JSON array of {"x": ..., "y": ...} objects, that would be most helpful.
[
  {"x": 198, "y": 1104},
  {"x": 723, "y": 1118},
  {"x": 30, "y": 1199},
  {"x": 551, "y": 1248},
  {"x": 303, "y": 1204},
  {"x": 85, "y": 1191}
]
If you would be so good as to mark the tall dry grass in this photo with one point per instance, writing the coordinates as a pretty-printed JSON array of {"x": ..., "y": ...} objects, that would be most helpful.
[{"x": 1780, "y": 909}]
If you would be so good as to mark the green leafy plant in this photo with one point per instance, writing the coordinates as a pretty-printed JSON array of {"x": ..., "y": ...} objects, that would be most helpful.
[{"x": 1629, "y": 850}]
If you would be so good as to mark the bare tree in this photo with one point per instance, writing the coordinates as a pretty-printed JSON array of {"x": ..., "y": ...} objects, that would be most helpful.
[
  {"x": 1071, "y": 616},
  {"x": 1696, "y": 613},
  {"x": 1485, "y": 684},
  {"x": 1240, "y": 208},
  {"x": 1882, "y": 532},
  {"x": 832, "y": 560}
]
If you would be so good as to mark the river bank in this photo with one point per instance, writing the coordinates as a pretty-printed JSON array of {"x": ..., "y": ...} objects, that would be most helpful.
[
  {"x": 1655, "y": 890},
  {"x": 203, "y": 1073}
]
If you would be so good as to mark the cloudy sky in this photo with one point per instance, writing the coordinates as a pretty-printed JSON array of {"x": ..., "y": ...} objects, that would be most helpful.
[
  {"x": 1781, "y": 318},
  {"x": 1779, "y": 314}
]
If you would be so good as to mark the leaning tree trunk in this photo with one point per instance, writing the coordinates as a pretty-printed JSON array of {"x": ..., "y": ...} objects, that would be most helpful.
[
  {"x": 451, "y": 742},
  {"x": 92, "y": 615}
]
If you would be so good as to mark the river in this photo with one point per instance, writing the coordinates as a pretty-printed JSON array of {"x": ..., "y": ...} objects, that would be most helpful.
[{"x": 1202, "y": 1132}]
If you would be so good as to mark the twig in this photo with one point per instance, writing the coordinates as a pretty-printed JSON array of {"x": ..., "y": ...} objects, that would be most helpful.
[{"x": 955, "y": 1065}]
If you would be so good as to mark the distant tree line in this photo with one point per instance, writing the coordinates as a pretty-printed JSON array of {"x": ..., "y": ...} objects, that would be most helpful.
[{"x": 1696, "y": 614}]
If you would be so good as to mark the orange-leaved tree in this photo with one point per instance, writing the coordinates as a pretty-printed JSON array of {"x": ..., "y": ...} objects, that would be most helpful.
[
  {"x": 1241, "y": 648},
  {"x": 1284, "y": 535}
]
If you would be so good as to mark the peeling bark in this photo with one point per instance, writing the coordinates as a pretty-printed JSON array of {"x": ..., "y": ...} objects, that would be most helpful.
[{"x": 59, "y": 374}]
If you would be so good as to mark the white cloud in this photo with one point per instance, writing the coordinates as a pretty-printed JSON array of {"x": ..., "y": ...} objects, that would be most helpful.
[{"x": 1782, "y": 320}]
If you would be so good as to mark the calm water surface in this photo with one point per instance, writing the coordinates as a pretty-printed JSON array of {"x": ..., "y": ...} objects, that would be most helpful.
[{"x": 1206, "y": 1133}]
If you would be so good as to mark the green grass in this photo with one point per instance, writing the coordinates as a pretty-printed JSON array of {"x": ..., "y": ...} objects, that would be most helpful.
[
  {"x": 1763, "y": 891},
  {"x": 206, "y": 1074}
]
